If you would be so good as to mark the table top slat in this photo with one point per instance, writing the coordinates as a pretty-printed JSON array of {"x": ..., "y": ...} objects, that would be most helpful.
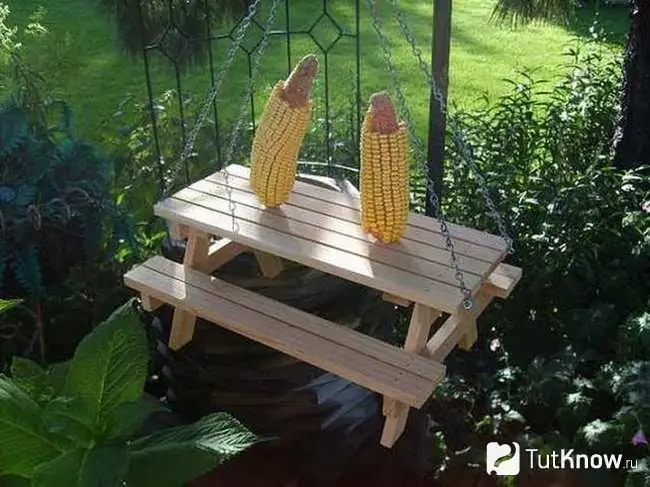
[{"x": 326, "y": 234}]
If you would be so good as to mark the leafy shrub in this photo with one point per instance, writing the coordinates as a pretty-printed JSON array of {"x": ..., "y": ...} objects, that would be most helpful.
[
  {"x": 566, "y": 356},
  {"x": 54, "y": 196},
  {"x": 80, "y": 422}
]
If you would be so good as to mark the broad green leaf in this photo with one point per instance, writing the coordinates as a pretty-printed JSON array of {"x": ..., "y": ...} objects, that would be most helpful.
[
  {"x": 12, "y": 481},
  {"x": 41, "y": 384},
  {"x": 57, "y": 374},
  {"x": 172, "y": 457},
  {"x": 32, "y": 378},
  {"x": 126, "y": 419},
  {"x": 100, "y": 466},
  {"x": 109, "y": 366},
  {"x": 24, "y": 441},
  {"x": 7, "y": 304},
  {"x": 66, "y": 417}
]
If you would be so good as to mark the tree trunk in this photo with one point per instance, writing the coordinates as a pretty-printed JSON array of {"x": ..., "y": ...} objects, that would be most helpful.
[{"x": 632, "y": 138}]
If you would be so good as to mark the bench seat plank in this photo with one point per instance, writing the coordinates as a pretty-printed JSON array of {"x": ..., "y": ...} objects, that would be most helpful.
[{"x": 364, "y": 360}]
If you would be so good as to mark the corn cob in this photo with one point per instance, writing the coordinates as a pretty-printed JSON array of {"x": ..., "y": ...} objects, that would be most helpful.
[
  {"x": 384, "y": 175},
  {"x": 284, "y": 123}
]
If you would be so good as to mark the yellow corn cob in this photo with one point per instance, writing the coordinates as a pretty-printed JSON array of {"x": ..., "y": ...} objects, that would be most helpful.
[
  {"x": 284, "y": 123},
  {"x": 384, "y": 175}
]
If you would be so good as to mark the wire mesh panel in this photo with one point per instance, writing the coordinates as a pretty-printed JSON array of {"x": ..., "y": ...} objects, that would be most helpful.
[{"x": 185, "y": 46}]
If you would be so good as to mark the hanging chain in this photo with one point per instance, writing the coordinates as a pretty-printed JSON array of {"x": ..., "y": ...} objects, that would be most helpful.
[
  {"x": 205, "y": 111},
  {"x": 234, "y": 136},
  {"x": 421, "y": 155},
  {"x": 457, "y": 130}
]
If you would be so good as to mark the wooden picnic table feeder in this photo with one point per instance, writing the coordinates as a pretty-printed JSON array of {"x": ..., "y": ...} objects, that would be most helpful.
[{"x": 221, "y": 216}]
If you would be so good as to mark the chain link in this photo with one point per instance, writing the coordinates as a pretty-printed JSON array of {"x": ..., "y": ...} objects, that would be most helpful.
[
  {"x": 236, "y": 131},
  {"x": 421, "y": 155},
  {"x": 205, "y": 111},
  {"x": 460, "y": 137}
]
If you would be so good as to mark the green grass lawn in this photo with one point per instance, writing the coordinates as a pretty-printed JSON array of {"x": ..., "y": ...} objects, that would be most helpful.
[{"x": 84, "y": 64}]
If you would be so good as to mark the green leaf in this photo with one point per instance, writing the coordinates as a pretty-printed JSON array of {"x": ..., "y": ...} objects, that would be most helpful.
[
  {"x": 12, "y": 481},
  {"x": 109, "y": 366},
  {"x": 24, "y": 440},
  {"x": 41, "y": 384},
  {"x": 172, "y": 457},
  {"x": 66, "y": 417},
  {"x": 57, "y": 375},
  {"x": 600, "y": 436},
  {"x": 126, "y": 419},
  {"x": 7, "y": 304},
  {"x": 31, "y": 378},
  {"x": 101, "y": 466}
]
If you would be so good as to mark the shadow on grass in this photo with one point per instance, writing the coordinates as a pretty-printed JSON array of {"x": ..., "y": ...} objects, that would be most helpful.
[{"x": 615, "y": 21}]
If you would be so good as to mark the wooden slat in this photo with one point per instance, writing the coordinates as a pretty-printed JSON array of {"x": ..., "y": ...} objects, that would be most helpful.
[
  {"x": 458, "y": 232},
  {"x": 396, "y": 413},
  {"x": 221, "y": 252},
  {"x": 452, "y": 330},
  {"x": 276, "y": 220},
  {"x": 269, "y": 264},
  {"x": 346, "y": 357},
  {"x": 354, "y": 239},
  {"x": 352, "y": 267},
  {"x": 404, "y": 303},
  {"x": 150, "y": 304},
  {"x": 196, "y": 257},
  {"x": 178, "y": 231},
  {"x": 416, "y": 241},
  {"x": 502, "y": 280},
  {"x": 331, "y": 331}
]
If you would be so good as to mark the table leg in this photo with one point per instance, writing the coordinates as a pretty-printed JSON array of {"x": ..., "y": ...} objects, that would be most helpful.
[
  {"x": 458, "y": 329},
  {"x": 270, "y": 265},
  {"x": 196, "y": 257},
  {"x": 396, "y": 413}
]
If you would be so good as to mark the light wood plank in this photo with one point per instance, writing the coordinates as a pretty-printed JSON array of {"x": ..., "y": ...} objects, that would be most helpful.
[
  {"x": 335, "y": 357},
  {"x": 270, "y": 265},
  {"x": 183, "y": 324},
  {"x": 422, "y": 319},
  {"x": 502, "y": 280},
  {"x": 396, "y": 413},
  {"x": 404, "y": 303},
  {"x": 297, "y": 229},
  {"x": 416, "y": 241},
  {"x": 353, "y": 237},
  {"x": 178, "y": 231},
  {"x": 452, "y": 330},
  {"x": 396, "y": 416},
  {"x": 150, "y": 304},
  {"x": 221, "y": 252},
  {"x": 275, "y": 220},
  {"x": 315, "y": 255},
  {"x": 458, "y": 232},
  {"x": 196, "y": 257},
  {"x": 470, "y": 336},
  {"x": 331, "y": 331}
]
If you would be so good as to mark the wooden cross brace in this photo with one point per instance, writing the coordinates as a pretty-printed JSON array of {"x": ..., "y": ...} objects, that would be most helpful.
[
  {"x": 459, "y": 329},
  {"x": 201, "y": 255}
]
